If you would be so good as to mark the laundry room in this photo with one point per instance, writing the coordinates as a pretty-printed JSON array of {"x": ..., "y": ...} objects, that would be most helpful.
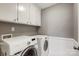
[{"x": 39, "y": 29}]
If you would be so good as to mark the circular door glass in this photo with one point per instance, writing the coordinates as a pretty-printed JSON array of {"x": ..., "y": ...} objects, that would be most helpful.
[
  {"x": 30, "y": 51},
  {"x": 45, "y": 45}
]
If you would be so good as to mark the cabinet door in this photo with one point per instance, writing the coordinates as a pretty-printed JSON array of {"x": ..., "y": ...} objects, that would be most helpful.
[
  {"x": 38, "y": 16},
  {"x": 23, "y": 13},
  {"x": 8, "y": 12},
  {"x": 35, "y": 15}
]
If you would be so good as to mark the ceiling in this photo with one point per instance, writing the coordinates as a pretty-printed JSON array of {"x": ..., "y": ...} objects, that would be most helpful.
[{"x": 45, "y": 5}]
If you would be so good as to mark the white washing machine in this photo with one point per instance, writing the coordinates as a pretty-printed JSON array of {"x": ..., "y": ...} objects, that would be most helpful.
[
  {"x": 20, "y": 46},
  {"x": 43, "y": 44}
]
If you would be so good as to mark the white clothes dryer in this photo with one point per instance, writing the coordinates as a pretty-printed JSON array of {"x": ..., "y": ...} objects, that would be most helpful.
[{"x": 43, "y": 44}]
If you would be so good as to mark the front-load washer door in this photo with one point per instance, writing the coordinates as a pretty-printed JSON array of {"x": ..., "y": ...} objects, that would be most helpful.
[{"x": 30, "y": 51}]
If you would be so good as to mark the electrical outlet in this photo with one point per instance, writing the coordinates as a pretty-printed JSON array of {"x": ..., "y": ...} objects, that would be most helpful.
[{"x": 12, "y": 29}]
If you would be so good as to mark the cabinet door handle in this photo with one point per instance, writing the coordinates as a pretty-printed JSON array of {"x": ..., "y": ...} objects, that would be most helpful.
[
  {"x": 17, "y": 19},
  {"x": 27, "y": 22},
  {"x": 14, "y": 19},
  {"x": 30, "y": 22}
]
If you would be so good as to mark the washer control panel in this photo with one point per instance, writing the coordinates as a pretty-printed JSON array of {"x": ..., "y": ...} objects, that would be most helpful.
[{"x": 32, "y": 41}]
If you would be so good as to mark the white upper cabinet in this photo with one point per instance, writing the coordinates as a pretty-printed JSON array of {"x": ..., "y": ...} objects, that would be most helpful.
[
  {"x": 35, "y": 15},
  {"x": 23, "y": 13},
  {"x": 8, "y": 12},
  {"x": 38, "y": 16}
]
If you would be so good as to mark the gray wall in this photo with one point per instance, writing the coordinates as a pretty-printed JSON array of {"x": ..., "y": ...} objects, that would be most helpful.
[
  {"x": 75, "y": 15},
  {"x": 57, "y": 20},
  {"x": 5, "y": 28}
]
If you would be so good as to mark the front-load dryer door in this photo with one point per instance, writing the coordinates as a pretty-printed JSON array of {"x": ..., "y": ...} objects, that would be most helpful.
[
  {"x": 45, "y": 47},
  {"x": 30, "y": 51}
]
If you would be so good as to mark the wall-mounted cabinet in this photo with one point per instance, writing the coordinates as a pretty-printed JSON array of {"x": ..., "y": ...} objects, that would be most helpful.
[
  {"x": 35, "y": 15},
  {"x": 21, "y": 13},
  {"x": 8, "y": 12}
]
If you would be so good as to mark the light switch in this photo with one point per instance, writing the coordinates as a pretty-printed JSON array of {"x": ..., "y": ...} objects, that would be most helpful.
[{"x": 12, "y": 29}]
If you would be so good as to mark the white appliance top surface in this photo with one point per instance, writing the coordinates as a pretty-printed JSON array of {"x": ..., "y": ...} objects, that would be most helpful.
[{"x": 62, "y": 46}]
